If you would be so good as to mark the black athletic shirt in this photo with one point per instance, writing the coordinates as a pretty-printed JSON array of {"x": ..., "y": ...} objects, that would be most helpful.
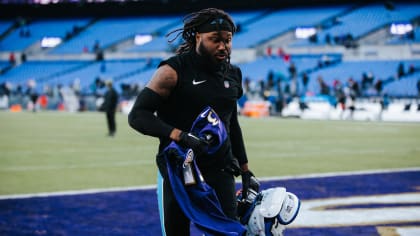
[{"x": 200, "y": 85}]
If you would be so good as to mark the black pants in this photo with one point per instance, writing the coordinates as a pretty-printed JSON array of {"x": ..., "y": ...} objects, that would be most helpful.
[
  {"x": 110, "y": 119},
  {"x": 176, "y": 224}
]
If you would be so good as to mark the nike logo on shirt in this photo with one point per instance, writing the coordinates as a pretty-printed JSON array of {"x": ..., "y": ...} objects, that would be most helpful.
[{"x": 198, "y": 82}]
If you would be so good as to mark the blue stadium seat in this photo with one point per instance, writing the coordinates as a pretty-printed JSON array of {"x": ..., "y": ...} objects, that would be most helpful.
[
  {"x": 404, "y": 87},
  {"x": 256, "y": 28},
  {"x": 5, "y": 25},
  {"x": 116, "y": 30},
  {"x": 281, "y": 21},
  {"x": 368, "y": 18},
  {"x": 37, "y": 70},
  {"x": 383, "y": 70},
  {"x": 105, "y": 70},
  {"x": 160, "y": 42},
  {"x": 37, "y": 30}
]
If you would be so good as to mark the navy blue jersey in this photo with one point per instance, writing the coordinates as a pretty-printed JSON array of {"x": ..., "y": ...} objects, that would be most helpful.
[{"x": 198, "y": 200}]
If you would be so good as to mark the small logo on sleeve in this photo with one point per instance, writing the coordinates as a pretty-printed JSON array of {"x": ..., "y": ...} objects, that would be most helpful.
[{"x": 227, "y": 84}]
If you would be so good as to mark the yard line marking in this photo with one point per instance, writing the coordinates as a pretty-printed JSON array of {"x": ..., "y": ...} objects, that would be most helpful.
[
  {"x": 408, "y": 231},
  {"x": 315, "y": 213}
]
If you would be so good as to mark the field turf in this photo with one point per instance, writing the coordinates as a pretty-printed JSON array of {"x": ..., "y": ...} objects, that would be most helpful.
[{"x": 58, "y": 151}]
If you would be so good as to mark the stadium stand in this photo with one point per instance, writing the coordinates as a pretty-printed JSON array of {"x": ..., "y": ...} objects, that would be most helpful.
[
  {"x": 139, "y": 79},
  {"x": 24, "y": 36},
  {"x": 261, "y": 29},
  {"x": 160, "y": 41},
  {"x": 116, "y": 30},
  {"x": 259, "y": 68},
  {"x": 38, "y": 70},
  {"x": 115, "y": 70},
  {"x": 103, "y": 48},
  {"x": 5, "y": 25},
  {"x": 4, "y": 65},
  {"x": 359, "y": 22},
  {"x": 380, "y": 70},
  {"x": 404, "y": 87}
]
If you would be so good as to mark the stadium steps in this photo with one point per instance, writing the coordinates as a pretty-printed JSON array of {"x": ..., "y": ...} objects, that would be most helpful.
[
  {"x": 81, "y": 29},
  {"x": 285, "y": 37},
  {"x": 128, "y": 42},
  {"x": 371, "y": 17},
  {"x": 135, "y": 72},
  {"x": 256, "y": 18},
  {"x": 160, "y": 41},
  {"x": 13, "y": 26},
  {"x": 67, "y": 71},
  {"x": 378, "y": 34},
  {"x": 162, "y": 31},
  {"x": 404, "y": 87},
  {"x": 4, "y": 70}
]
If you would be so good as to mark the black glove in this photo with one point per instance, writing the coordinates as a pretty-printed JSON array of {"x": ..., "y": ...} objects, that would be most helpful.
[
  {"x": 198, "y": 145},
  {"x": 249, "y": 182}
]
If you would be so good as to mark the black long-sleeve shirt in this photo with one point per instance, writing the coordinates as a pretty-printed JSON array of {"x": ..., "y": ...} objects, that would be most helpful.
[{"x": 199, "y": 85}]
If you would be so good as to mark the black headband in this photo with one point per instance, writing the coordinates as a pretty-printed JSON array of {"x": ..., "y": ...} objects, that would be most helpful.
[{"x": 218, "y": 24}]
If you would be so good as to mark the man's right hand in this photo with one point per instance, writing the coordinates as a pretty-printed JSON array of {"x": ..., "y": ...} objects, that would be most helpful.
[
  {"x": 188, "y": 140},
  {"x": 249, "y": 182}
]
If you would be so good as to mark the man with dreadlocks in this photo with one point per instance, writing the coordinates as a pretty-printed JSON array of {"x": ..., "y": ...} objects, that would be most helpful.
[{"x": 198, "y": 76}]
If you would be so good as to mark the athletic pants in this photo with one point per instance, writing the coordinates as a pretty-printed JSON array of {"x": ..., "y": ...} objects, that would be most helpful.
[{"x": 173, "y": 220}]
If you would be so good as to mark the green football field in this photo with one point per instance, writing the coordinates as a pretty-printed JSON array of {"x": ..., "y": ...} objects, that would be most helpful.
[{"x": 53, "y": 151}]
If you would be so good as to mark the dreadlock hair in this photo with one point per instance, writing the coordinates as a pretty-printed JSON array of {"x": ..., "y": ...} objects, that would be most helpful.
[{"x": 191, "y": 24}]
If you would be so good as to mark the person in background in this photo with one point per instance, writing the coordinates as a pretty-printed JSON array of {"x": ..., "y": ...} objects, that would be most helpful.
[
  {"x": 401, "y": 70},
  {"x": 198, "y": 76},
  {"x": 305, "y": 81},
  {"x": 418, "y": 88},
  {"x": 12, "y": 59},
  {"x": 33, "y": 94},
  {"x": 324, "y": 89},
  {"x": 110, "y": 107}
]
